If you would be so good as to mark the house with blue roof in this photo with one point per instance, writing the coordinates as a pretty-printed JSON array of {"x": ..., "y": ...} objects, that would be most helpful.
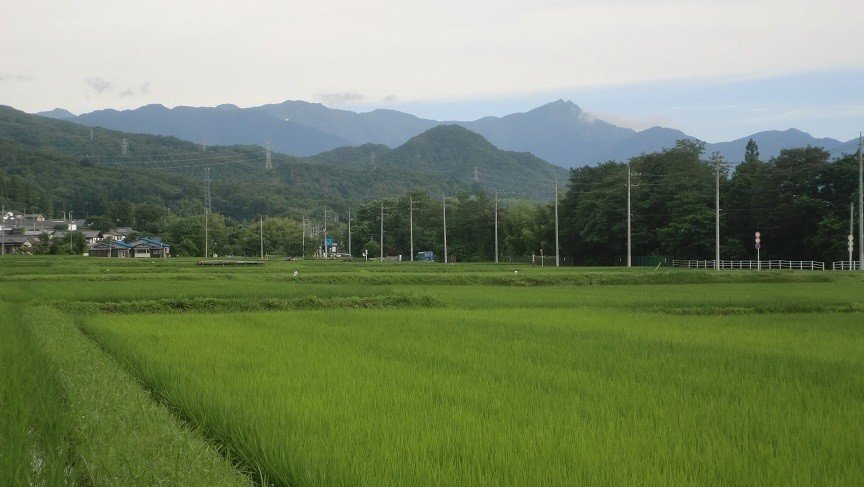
[
  {"x": 145, "y": 247},
  {"x": 110, "y": 248},
  {"x": 150, "y": 247}
]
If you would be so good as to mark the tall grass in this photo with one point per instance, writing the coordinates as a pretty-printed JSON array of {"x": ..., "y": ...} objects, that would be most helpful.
[
  {"x": 122, "y": 436},
  {"x": 514, "y": 396},
  {"x": 34, "y": 421}
]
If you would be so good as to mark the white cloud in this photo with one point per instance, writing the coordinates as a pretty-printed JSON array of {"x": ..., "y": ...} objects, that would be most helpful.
[
  {"x": 630, "y": 122},
  {"x": 339, "y": 98},
  {"x": 256, "y": 52},
  {"x": 17, "y": 78},
  {"x": 102, "y": 86},
  {"x": 99, "y": 85}
]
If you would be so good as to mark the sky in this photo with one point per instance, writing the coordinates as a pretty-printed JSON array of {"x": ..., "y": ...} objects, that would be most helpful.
[{"x": 716, "y": 69}]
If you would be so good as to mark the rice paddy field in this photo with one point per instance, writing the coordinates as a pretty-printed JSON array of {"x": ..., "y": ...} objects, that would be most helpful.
[{"x": 125, "y": 372}]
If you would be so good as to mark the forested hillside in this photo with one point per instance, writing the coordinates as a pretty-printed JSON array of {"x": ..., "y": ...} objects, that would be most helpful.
[{"x": 50, "y": 166}]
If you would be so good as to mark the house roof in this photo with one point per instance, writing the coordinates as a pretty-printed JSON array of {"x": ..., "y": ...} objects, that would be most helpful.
[
  {"x": 16, "y": 239},
  {"x": 149, "y": 242},
  {"x": 114, "y": 245}
]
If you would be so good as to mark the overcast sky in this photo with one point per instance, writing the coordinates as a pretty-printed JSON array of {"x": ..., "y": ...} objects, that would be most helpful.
[{"x": 715, "y": 69}]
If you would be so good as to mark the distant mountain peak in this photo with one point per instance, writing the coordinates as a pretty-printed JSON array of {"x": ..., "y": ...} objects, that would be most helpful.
[
  {"x": 560, "y": 106},
  {"x": 153, "y": 107},
  {"x": 58, "y": 113}
]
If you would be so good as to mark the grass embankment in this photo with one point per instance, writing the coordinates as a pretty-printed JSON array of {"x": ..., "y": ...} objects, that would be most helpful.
[
  {"x": 35, "y": 426},
  {"x": 106, "y": 271},
  {"x": 122, "y": 437},
  {"x": 514, "y": 396}
]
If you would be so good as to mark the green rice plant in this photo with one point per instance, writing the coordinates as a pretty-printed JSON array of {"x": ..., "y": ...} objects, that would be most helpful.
[
  {"x": 34, "y": 420},
  {"x": 122, "y": 436},
  {"x": 515, "y": 396}
]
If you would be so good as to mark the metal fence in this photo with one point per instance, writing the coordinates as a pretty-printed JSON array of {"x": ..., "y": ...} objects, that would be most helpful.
[
  {"x": 845, "y": 265},
  {"x": 801, "y": 265}
]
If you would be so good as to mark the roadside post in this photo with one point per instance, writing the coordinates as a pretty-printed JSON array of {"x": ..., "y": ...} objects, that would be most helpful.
[{"x": 758, "y": 247}]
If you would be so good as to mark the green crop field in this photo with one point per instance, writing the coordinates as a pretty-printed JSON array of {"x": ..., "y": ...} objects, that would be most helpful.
[{"x": 124, "y": 372}]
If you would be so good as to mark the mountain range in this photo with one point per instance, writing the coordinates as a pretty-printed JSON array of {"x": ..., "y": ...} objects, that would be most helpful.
[
  {"x": 559, "y": 132},
  {"x": 47, "y": 163}
]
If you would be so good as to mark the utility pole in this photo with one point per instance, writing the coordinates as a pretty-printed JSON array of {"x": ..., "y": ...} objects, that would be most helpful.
[
  {"x": 350, "y": 255},
  {"x": 851, "y": 233},
  {"x": 262, "y": 236},
  {"x": 3, "y": 230},
  {"x": 325, "y": 232},
  {"x": 303, "y": 245},
  {"x": 444, "y": 205},
  {"x": 411, "y": 225},
  {"x": 268, "y": 160},
  {"x": 382, "y": 232},
  {"x": 496, "y": 226},
  {"x": 206, "y": 212},
  {"x": 70, "y": 231},
  {"x": 557, "y": 253},
  {"x": 717, "y": 214},
  {"x": 629, "y": 224},
  {"x": 860, "y": 204}
]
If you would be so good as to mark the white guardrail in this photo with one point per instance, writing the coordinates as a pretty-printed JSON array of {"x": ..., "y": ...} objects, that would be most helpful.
[{"x": 798, "y": 265}]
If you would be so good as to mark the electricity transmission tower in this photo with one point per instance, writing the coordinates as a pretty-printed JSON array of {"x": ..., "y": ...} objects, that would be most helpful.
[
  {"x": 124, "y": 146},
  {"x": 268, "y": 160}
]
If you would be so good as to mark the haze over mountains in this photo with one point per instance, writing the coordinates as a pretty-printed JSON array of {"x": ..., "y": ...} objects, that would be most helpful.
[
  {"x": 559, "y": 132},
  {"x": 47, "y": 163}
]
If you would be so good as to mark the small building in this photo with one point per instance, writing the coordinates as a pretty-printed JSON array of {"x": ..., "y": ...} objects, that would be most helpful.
[
  {"x": 143, "y": 248},
  {"x": 119, "y": 233},
  {"x": 426, "y": 256},
  {"x": 17, "y": 243},
  {"x": 92, "y": 236},
  {"x": 110, "y": 248},
  {"x": 150, "y": 247}
]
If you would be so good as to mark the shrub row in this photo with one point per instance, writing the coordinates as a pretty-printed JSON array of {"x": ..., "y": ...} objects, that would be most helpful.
[{"x": 203, "y": 304}]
